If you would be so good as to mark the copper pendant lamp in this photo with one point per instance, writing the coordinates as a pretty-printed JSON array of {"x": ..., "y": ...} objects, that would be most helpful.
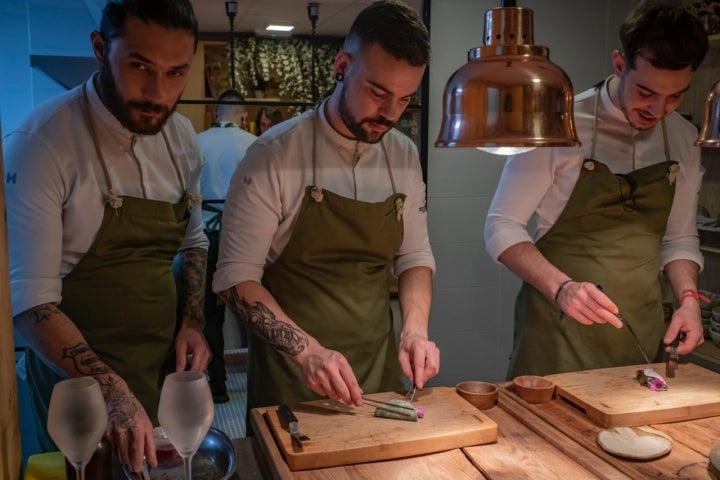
[
  {"x": 509, "y": 94},
  {"x": 709, "y": 135}
]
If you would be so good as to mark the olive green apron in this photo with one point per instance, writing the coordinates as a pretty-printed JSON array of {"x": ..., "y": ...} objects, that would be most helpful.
[
  {"x": 122, "y": 295},
  {"x": 609, "y": 234},
  {"x": 332, "y": 280}
]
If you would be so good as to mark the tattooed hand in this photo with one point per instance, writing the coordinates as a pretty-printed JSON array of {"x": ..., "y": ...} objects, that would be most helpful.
[
  {"x": 328, "y": 373},
  {"x": 130, "y": 431}
]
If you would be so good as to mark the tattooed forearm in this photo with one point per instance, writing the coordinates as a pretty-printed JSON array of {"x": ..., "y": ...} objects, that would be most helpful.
[
  {"x": 86, "y": 362},
  {"x": 192, "y": 285},
  {"x": 263, "y": 323},
  {"x": 123, "y": 411},
  {"x": 40, "y": 314}
]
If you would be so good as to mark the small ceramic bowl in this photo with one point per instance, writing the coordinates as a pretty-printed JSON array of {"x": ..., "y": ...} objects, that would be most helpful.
[
  {"x": 482, "y": 395},
  {"x": 533, "y": 388}
]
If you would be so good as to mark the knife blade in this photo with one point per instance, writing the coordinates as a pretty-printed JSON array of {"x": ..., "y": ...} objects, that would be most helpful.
[
  {"x": 637, "y": 341},
  {"x": 673, "y": 359},
  {"x": 287, "y": 416}
]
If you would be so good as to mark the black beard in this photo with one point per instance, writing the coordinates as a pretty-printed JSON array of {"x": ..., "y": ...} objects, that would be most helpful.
[
  {"x": 355, "y": 126},
  {"x": 121, "y": 110}
]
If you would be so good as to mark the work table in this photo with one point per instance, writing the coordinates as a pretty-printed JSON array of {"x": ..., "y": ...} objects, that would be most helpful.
[{"x": 551, "y": 440}]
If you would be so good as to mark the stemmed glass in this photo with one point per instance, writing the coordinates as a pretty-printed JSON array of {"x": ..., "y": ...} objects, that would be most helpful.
[
  {"x": 77, "y": 419},
  {"x": 185, "y": 413}
]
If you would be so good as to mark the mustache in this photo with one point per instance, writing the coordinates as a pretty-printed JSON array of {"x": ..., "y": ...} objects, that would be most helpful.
[
  {"x": 380, "y": 121},
  {"x": 148, "y": 107}
]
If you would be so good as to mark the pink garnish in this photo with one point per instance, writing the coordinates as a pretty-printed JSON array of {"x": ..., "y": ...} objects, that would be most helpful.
[
  {"x": 656, "y": 384},
  {"x": 420, "y": 411}
]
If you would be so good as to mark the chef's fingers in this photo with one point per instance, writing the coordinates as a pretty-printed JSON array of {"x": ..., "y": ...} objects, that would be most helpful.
[
  {"x": 425, "y": 362},
  {"x": 130, "y": 446},
  {"x": 683, "y": 321},
  {"x": 588, "y": 304},
  {"x": 351, "y": 385},
  {"x": 137, "y": 451},
  {"x": 181, "y": 359},
  {"x": 150, "y": 451}
]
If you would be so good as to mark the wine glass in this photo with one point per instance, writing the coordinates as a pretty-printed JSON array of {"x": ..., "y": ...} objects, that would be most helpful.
[
  {"x": 185, "y": 412},
  {"x": 77, "y": 419}
]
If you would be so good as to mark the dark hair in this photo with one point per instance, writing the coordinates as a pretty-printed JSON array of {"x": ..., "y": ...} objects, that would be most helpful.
[
  {"x": 231, "y": 94},
  {"x": 273, "y": 114},
  {"x": 176, "y": 14},
  {"x": 394, "y": 26},
  {"x": 666, "y": 35}
]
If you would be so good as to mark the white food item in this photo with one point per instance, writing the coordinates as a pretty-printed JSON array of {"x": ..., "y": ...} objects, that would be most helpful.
[{"x": 641, "y": 443}]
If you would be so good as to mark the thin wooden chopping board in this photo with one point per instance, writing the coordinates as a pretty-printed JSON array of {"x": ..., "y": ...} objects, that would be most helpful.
[
  {"x": 612, "y": 397},
  {"x": 342, "y": 435}
]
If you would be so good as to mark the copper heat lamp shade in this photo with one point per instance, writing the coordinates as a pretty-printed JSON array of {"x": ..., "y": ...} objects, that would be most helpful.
[
  {"x": 509, "y": 94},
  {"x": 710, "y": 130}
]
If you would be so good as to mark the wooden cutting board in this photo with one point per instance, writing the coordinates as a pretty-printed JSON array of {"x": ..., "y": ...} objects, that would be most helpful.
[
  {"x": 342, "y": 435},
  {"x": 612, "y": 397}
]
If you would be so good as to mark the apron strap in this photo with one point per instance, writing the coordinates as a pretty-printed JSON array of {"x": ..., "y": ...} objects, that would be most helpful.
[
  {"x": 88, "y": 121},
  {"x": 314, "y": 153},
  {"x": 93, "y": 134},
  {"x": 665, "y": 139},
  {"x": 595, "y": 121}
]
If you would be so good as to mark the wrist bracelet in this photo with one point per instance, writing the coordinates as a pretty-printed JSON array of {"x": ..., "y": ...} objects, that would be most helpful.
[
  {"x": 562, "y": 285},
  {"x": 692, "y": 294}
]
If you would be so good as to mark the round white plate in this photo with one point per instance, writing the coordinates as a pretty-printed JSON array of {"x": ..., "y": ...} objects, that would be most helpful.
[{"x": 637, "y": 443}]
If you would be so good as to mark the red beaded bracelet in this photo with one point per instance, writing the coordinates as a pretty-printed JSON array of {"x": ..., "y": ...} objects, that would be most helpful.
[{"x": 692, "y": 294}]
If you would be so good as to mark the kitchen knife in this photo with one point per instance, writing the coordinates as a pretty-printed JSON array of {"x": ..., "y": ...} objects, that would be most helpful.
[
  {"x": 287, "y": 416},
  {"x": 637, "y": 341},
  {"x": 673, "y": 359}
]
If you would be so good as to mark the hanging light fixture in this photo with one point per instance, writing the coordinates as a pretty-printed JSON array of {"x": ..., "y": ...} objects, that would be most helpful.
[
  {"x": 509, "y": 97},
  {"x": 709, "y": 135},
  {"x": 313, "y": 10},
  {"x": 231, "y": 11}
]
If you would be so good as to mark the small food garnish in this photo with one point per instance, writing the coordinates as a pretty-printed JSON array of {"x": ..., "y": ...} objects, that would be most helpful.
[{"x": 651, "y": 379}]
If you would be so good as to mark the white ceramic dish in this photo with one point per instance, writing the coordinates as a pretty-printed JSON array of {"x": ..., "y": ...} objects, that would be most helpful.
[{"x": 637, "y": 443}]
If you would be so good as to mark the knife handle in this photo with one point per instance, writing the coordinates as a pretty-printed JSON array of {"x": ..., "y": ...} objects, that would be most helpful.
[
  {"x": 678, "y": 339},
  {"x": 287, "y": 413}
]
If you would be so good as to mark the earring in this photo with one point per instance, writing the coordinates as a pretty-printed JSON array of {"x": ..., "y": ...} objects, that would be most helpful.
[{"x": 339, "y": 77}]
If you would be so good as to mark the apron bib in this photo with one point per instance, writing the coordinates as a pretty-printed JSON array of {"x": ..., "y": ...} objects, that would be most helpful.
[
  {"x": 609, "y": 234},
  {"x": 332, "y": 280},
  {"x": 122, "y": 295}
]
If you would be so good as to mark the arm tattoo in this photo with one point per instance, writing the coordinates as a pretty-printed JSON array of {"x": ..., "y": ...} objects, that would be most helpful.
[
  {"x": 262, "y": 322},
  {"x": 86, "y": 362},
  {"x": 40, "y": 314},
  {"x": 122, "y": 410},
  {"x": 192, "y": 285}
]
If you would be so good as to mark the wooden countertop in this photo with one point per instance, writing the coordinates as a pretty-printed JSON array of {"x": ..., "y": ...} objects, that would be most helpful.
[{"x": 552, "y": 440}]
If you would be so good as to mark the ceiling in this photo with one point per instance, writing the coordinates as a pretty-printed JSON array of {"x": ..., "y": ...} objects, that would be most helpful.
[{"x": 334, "y": 16}]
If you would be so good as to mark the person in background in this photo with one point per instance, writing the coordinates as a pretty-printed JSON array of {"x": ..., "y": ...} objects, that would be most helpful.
[
  {"x": 103, "y": 190},
  {"x": 266, "y": 118},
  {"x": 223, "y": 146},
  {"x": 610, "y": 215},
  {"x": 321, "y": 209}
]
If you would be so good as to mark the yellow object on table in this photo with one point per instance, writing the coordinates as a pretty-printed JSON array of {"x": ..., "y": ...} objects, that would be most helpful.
[{"x": 46, "y": 466}]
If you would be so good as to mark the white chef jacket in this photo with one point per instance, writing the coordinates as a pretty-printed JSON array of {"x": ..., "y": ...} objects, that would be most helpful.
[
  {"x": 56, "y": 190},
  {"x": 223, "y": 147},
  {"x": 535, "y": 186},
  {"x": 268, "y": 186}
]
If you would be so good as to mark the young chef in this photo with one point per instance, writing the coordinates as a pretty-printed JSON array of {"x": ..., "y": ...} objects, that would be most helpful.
[
  {"x": 613, "y": 213},
  {"x": 102, "y": 193},
  {"x": 321, "y": 209}
]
